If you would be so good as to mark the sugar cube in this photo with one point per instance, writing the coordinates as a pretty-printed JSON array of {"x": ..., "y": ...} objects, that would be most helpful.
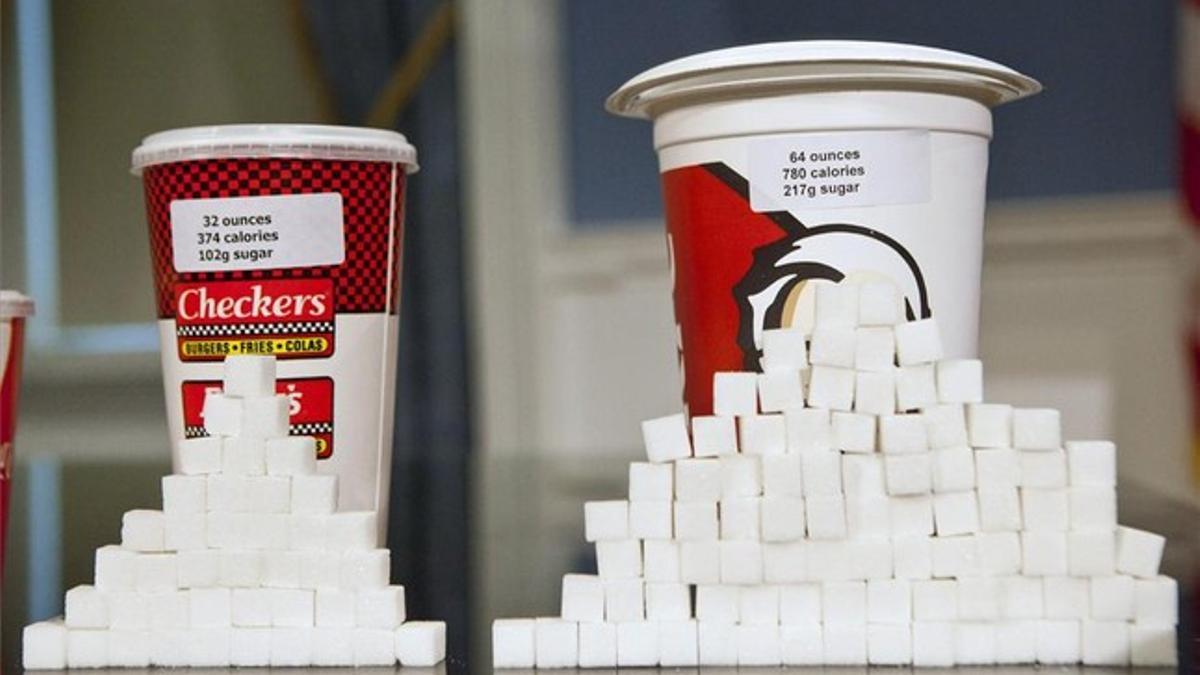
[
  {"x": 129, "y": 648},
  {"x": 184, "y": 532},
  {"x": 308, "y": 531},
  {"x": 317, "y": 494},
  {"x": 114, "y": 569},
  {"x": 1043, "y": 469},
  {"x": 978, "y": 598},
  {"x": 291, "y": 647},
  {"x": 1091, "y": 553},
  {"x": 954, "y": 556},
  {"x": 871, "y": 558},
  {"x": 156, "y": 572},
  {"x": 352, "y": 530},
  {"x": 780, "y": 390},
  {"x": 291, "y": 456},
  {"x": 251, "y": 608},
  {"x": 758, "y": 645},
  {"x": 735, "y": 393},
  {"x": 582, "y": 598},
  {"x": 87, "y": 648},
  {"x": 740, "y": 518},
  {"x": 909, "y": 474},
  {"x": 831, "y": 388},
  {"x": 717, "y": 643},
  {"x": 933, "y": 644},
  {"x": 1066, "y": 597},
  {"x": 800, "y": 604},
  {"x": 332, "y": 608},
  {"x": 142, "y": 530},
  {"x": 169, "y": 609},
  {"x": 837, "y": 305},
  {"x": 660, "y": 560},
  {"x": 998, "y": 468},
  {"x": 281, "y": 569},
  {"x": 1105, "y": 643},
  {"x": 902, "y": 434},
  {"x": 1156, "y": 601},
  {"x": 825, "y": 516},
  {"x": 875, "y": 393},
  {"x": 999, "y": 553},
  {"x": 714, "y": 435},
  {"x": 868, "y": 516},
  {"x": 637, "y": 644},
  {"x": 1058, "y": 642},
  {"x": 183, "y": 494},
  {"x": 960, "y": 381},
  {"x": 741, "y": 562},
  {"x": 808, "y": 430},
  {"x": 785, "y": 562},
  {"x": 244, "y": 456},
  {"x": 889, "y": 644},
  {"x": 1043, "y": 553},
  {"x": 955, "y": 513},
  {"x": 513, "y": 643},
  {"x": 597, "y": 645},
  {"x": 222, "y": 414},
  {"x": 1016, "y": 642},
  {"x": 741, "y": 476},
  {"x": 878, "y": 304},
  {"x": 1021, "y": 597},
  {"x": 696, "y": 480},
  {"x": 1112, "y": 598},
  {"x": 781, "y": 476},
  {"x": 44, "y": 645},
  {"x": 249, "y": 375},
  {"x": 821, "y": 473},
  {"x": 853, "y": 432},
  {"x": 210, "y": 608},
  {"x": 762, "y": 434},
  {"x": 1036, "y": 429},
  {"x": 1092, "y": 507},
  {"x": 784, "y": 350},
  {"x": 832, "y": 346},
  {"x": 718, "y": 604},
  {"x": 844, "y": 602},
  {"x": 889, "y": 601},
  {"x": 1045, "y": 510},
  {"x": 782, "y": 518},
  {"x": 975, "y": 643},
  {"x": 240, "y": 568},
  {"x": 1092, "y": 463},
  {"x": 251, "y": 647},
  {"x": 915, "y": 387},
  {"x": 650, "y": 520},
  {"x": 829, "y": 560},
  {"x": 999, "y": 510},
  {"x": 296, "y": 608},
  {"x": 667, "y": 602},
  {"x": 989, "y": 425},
  {"x": 556, "y": 643},
  {"x": 655, "y": 482},
  {"x": 1152, "y": 645},
  {"x": 677, "y": 644},
  {"x": 374, "y": 608},
  {"x": 911, "y": 515},
  {"x": 606, "y": 521},
  {"x": 1139, "y": 553},
  {"x": 265, "y": 416},
  {"x": 918, "y": 342},
  {"x": 128, "y": 610},
  {"x": 935, "y": 600},
  {"x": 620, "y": 559},
  {"x": 862, "y": 476},
  {"x": 420, "y": 643},
  {"x": 378, "y": 646},
  {"x": 945, "y": 425},
  {"x": 845, "y": 644},
  {"x": 198, "y": 568},
  {"x": 875, "y": 350},
  {"x": 953, "y": 469},
  {"x": 759, "y": 605},
  {"x": 666, "y": 438},
  {"x": 696, "y": 521},
  {"x": 86, "y": 607},
  {"x": 699, "y": 562},
  {"x": 912, "y": 558}
]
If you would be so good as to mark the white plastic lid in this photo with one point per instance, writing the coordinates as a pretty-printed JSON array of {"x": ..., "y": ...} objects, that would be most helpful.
[
  {"x": 816, "y": 65},
  {"x": 15, "y": 303},
  {"x": 304, "y": 141}
]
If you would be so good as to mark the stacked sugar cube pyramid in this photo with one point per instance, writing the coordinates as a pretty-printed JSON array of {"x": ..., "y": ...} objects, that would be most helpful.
[
  {"x": 247, "y": 564},
  {"x": 858, "y": 503}
]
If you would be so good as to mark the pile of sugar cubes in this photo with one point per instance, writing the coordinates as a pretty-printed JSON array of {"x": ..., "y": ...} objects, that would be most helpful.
[
  {"x": 858, "y": 503},
  {"x": 248, "y": 563}
]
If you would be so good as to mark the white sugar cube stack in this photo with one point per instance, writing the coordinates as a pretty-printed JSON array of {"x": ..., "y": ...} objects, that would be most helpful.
[
  {"x": 249, "y": 562},
  {"x": 859, "y": 503}
]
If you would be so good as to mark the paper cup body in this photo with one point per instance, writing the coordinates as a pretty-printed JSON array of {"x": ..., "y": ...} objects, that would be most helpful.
[
  {"x": 284, "y": 240},
  {"x": 15, "y": 308}
]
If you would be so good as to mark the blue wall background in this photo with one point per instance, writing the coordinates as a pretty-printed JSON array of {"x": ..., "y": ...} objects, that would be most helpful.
[{"x": 1105, "y": 123}]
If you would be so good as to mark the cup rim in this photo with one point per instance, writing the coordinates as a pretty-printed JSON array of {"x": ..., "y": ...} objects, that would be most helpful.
[
  {"x": 15, "y": 304},
  {"x": 816, "y": 65},
  {"x": 304, "y": 141}
]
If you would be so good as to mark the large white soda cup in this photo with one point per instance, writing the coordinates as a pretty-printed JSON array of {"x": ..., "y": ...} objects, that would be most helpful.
[
  {"x": 284, "y": 240},
  {"x": 788, "y": 165}
]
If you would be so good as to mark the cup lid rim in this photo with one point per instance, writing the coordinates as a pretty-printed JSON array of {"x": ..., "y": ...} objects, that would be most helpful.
[
  {"x": 305, "y": 141},
  {"x": 808, "y": 62},
  {"x": 15, "y": 303}
]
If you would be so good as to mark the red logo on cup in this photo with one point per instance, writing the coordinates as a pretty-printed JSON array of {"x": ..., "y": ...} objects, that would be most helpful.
[{"x": 287, "y": 318}]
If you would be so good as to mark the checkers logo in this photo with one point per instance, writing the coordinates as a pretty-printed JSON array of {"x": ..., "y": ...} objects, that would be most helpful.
[{"x": 287, "y": 318}]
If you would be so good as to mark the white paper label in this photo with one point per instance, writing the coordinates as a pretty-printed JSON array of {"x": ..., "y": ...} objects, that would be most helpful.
[
  {"x": 257, "y": 233},
  {"x": 836, "y": 170}
]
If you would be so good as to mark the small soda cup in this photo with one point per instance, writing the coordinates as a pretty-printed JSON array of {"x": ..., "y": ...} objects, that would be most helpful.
[
  {"x": 789, "y": 165},
  {"x": 14, "y": 309},
  {"x": 284, "y": 240}
]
